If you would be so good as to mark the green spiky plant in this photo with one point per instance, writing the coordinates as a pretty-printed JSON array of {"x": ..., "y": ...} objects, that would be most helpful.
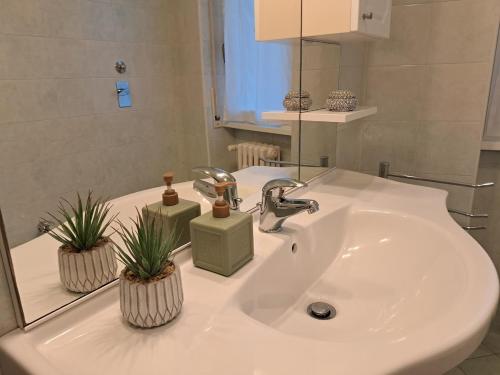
[
  {"x": 81, "y": 226},
  {"x": 147, "y": 253}
]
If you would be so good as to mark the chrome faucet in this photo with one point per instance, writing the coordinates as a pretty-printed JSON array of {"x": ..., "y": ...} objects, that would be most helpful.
[
  {"x": 274, "y": 210},
  {"x": 208, "y": 189}
]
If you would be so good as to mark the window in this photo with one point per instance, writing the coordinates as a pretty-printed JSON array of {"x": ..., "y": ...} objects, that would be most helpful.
[{"x": 252, "y": 77}]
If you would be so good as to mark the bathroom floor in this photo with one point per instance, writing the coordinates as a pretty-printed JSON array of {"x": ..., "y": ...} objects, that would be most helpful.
[{"x": 485, "y": 360}]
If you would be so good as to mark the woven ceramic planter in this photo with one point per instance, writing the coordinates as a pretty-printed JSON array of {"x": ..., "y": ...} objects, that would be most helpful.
[
  {"x": 88, "y": 270},
  {"x": 151, "y": 304}
]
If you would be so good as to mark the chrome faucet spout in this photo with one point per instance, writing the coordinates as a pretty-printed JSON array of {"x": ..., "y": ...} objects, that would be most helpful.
[
  {"x": 274, "y": 210},
  {"x": 219, "y": 175},
  {"x": 299, "y": 205}
]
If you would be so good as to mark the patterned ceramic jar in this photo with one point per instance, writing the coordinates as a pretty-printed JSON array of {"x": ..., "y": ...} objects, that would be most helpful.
[
  {"x": 294, "y": 101},
  {"x": 341, "y": 101},
  {"x": 149, "y": 304}
]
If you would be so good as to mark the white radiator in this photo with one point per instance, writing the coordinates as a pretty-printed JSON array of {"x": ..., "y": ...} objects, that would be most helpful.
[{"x": 250, "y": 153}]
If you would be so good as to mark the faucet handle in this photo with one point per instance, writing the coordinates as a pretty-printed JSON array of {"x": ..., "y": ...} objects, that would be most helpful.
[{"x": 281, "y": 183}]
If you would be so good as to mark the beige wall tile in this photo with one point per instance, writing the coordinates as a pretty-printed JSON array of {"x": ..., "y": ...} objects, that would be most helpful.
[
  {"x": 317, "y": 140},
  {"x": 129, "y": 23},
  {"x": 21, "y": 17},
  {"x": 104, "y": 95},
  {"x": 10, "y": 102},
  {"x": 67, "y": 58},
  {"x": 462, "y": 31},
  {"x": 353, "y": 54},
  {"x": 189, "y": 57},
  {"x": 61, "y": 18},
  {"x": 97, "y": 20},
  {"x": 349, "y": 145},
  {"x": 396, "y": 91},
  {"x": 448, "y": 148},
  {"x": 46, "y": 96},
  {"x": 319, "y": 83},
  {"x": 351, "y": 78},
  {"x": 410, "y": 34},
  {"x": 75, "y": 97},
  {"x": 389, "y": 141},
  {"x": 456, "y": 92},
  {"x": 31, "y": 61},
  {"x": 320, "y": 56},
  {"x": 101, "y": 56}
]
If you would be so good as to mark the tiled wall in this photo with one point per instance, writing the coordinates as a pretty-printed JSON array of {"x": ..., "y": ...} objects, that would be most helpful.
[
  {"x": 430, "y": 83},
  {"x": 61, "y": 129}
]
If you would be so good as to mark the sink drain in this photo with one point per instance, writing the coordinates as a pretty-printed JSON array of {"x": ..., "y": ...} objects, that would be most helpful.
[{"x": 321, "y": 311}]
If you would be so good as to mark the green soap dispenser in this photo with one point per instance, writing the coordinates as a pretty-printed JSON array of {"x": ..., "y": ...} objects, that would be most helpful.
[
  {"x": 172, "y": 213},
  {"x": 222, "y": 240}
]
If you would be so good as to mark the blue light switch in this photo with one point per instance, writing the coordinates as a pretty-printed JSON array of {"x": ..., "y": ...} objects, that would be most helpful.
[{"x": 123, "y": 91}]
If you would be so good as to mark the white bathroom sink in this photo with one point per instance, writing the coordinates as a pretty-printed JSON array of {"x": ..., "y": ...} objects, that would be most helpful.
[
  {"x": 414, "y": 294},
  {"x": 388, "y": 275}
]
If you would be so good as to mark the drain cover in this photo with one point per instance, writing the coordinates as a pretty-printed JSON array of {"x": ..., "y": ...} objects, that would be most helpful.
[{"x": 321, "y": 310}]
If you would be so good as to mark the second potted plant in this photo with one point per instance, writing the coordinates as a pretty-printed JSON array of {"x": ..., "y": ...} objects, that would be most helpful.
[
  {"x": 150, "y": 285},
  {"x": 86, "y": 256}
]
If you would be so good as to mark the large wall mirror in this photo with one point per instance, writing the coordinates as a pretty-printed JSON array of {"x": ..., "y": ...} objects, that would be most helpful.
[
  {"x": 319, "y": 77},
  {"x": 192, "y": 88}
]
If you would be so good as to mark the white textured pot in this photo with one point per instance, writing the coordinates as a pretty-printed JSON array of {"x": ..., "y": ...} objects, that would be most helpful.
[
  {"x": 87, "y": 270},
  {"x": 151, "y": 304}
]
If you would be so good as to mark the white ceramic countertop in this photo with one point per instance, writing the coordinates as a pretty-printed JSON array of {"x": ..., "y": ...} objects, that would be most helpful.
[
  {"x": 438, "y": 320},
  {"x": 35, "y": 262}
]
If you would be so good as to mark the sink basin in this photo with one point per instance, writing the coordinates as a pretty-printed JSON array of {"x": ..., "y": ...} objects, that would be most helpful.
[
  {"x": 388, "y": 276},
  {"x": 414, "y": 295}
]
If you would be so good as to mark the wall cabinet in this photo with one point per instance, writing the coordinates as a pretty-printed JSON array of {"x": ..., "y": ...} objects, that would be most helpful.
[{"x": 332, "y": 20}]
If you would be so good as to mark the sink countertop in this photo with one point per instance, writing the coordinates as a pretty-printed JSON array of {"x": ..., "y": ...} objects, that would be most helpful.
[
  {"x": 214, "y": 335},
  {"x": 35, "y": 262}
]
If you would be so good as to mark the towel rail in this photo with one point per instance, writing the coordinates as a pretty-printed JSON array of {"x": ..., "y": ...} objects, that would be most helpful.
[{"x": 384, "y": 172}]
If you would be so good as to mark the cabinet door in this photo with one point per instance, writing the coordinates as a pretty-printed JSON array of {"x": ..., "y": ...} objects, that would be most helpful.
[
  {"x": 277, "y": 19},
  {"x": 326, "y": 17},
  {"x": 372, "y": 17}
]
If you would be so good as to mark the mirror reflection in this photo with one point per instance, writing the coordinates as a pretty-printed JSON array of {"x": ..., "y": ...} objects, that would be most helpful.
[
  {"x": 319, "y": 78},
  {"x": 90, "y": 133}
]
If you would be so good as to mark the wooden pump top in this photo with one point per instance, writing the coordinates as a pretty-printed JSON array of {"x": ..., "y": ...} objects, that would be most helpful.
[
  {"x": 170, "y": 196},
  {"x": 220, "y": 209}
]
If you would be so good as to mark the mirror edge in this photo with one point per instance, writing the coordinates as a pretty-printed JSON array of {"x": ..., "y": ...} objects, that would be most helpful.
[{"x": 8, "y": 268}]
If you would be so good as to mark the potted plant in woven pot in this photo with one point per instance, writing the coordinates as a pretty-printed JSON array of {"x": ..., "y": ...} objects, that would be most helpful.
[
  {"x": 150, "y": 284},
  {"x": 86, "y": 256}
]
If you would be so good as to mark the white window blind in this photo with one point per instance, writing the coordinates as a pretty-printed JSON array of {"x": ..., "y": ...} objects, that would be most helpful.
[{"x": 257, "y": 74}]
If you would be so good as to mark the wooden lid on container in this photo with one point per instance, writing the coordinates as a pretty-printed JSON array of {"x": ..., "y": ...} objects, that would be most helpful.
[
  {"x": 170, "y": 196},
  {"x": 220, "y": 209}
]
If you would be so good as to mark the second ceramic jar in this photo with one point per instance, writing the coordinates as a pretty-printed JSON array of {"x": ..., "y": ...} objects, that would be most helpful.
[{"x": 295, "y": 101}]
